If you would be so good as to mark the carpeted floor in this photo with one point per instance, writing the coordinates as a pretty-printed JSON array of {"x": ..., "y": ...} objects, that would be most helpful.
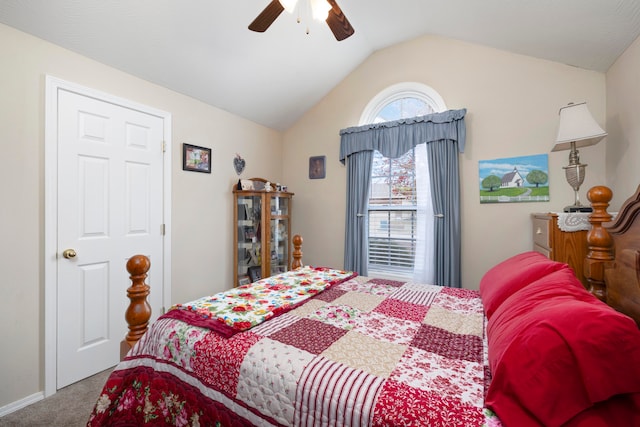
[{"x": 69, "y": 407}]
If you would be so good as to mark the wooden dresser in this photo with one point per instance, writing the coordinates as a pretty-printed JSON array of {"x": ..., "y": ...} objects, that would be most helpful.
[{"x": 564, "y": 246}]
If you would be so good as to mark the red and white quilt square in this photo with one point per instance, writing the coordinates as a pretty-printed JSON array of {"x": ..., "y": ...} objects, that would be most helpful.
[
  {"x": 330, "y": 294},
  {"x": 309, "y": 335},
  {"x": 372, "y": 287},
  {"x": 460, "y": 300},
  {"x": 225, "y": 372},
  {"x": 447, "y": 344},
  {"x": 386, "y": 328},
  {"x": 421, "y": 408},
  {"x": 452, "y": 378},
  {"x": 402, "y": 309}
]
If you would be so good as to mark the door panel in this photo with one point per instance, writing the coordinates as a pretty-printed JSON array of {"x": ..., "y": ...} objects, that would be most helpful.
[{"x": 110, "y": 204}]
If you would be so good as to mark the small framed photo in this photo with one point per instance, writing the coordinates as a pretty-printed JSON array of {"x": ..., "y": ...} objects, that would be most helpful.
[
  {"x": 249, "y": 232},
  {"x": 243, "y": 280},
  {"x": 317, "y": 167},
  {"x": 196, "y": 159},
  {"x": 255, "y": 273}
]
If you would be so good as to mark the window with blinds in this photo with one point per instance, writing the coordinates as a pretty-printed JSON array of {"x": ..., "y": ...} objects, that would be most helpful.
[
  {"x": 392, "y": 197},
  {"x": 392, "y": 214}
]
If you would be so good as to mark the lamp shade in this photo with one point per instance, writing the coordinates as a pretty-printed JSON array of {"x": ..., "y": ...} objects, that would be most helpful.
[{"x": 577, "y": 125}]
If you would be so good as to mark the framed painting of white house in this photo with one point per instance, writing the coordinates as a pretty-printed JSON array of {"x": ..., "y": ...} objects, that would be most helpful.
[{"x": 514, "y": 179}]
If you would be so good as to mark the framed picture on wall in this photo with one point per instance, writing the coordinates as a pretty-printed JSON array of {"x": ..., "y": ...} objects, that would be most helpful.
[
  {"x": 514, "y": 179},
  {"x": 196, "y": 159},
  {"x": 317, "y": 167}
]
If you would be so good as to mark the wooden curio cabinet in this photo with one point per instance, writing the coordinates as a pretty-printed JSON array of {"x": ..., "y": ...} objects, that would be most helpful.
[{"x": 262, "y": 243}]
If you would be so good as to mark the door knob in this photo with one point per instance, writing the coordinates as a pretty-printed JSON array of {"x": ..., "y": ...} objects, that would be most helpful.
[{"x": 69, "y": 253}]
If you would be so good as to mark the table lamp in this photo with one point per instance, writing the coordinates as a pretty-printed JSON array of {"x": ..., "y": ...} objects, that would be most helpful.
[{"x": 577, "y": 129}]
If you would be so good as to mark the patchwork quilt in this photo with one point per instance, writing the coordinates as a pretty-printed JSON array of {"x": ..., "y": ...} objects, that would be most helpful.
[{"x": 362, "y": 352}]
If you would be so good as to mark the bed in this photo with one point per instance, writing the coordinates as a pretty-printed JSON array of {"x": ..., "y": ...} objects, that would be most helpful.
[{"x": 319, "y": 346}]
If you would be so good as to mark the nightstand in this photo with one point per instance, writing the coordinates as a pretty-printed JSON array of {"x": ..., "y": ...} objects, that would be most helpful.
[{"x": 569, "y": 247}]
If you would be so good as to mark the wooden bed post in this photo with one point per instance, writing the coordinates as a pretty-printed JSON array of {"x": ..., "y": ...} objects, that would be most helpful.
[
  {"x": 297, "y": 252},
  {"x": 599, "y": 242},
  {"x": 139, "y": 311}
]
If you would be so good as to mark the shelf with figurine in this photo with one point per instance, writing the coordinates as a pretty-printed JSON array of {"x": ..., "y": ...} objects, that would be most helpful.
[
  {"x": 260, "y": 184},
  {"x": 262, "y": 216}
]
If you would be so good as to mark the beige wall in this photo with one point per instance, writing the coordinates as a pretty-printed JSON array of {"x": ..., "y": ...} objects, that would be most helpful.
[
  {"x": 512, "y": 104},
  {"x": 623, "y": 125},
  {"x": 201, "y": 203}
]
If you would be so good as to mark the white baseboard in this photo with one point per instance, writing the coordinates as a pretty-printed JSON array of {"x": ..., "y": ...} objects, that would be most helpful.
[{"x": 22, "y": 403}]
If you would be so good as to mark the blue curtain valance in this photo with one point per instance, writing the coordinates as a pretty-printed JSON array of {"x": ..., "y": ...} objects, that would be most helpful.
[{"x": 395, "y": 138}]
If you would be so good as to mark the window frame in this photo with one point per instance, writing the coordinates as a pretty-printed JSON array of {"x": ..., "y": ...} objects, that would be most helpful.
[
  {"x": 392, "y": 259},
  {"x": 387, "y": 96},
  {"x": 399, "y": 91}
]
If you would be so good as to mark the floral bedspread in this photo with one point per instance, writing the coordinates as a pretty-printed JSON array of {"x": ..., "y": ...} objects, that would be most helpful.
[
  {"x": 244, "y": 307},
  {"x": 364, "y": 352}
]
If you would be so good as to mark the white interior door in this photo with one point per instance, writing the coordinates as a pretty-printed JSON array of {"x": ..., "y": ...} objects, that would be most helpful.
[{"x": 109, "y": 207}]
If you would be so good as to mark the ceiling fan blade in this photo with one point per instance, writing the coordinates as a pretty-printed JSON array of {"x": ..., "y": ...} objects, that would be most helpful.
[
  {"x": 338, "y": 23},
  {"x": 266, "y": 17}
]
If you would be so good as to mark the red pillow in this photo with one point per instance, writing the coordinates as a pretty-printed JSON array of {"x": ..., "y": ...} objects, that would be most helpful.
[
  {"x": 619, "y": 411},
  {"x": 513, "y": 274},
  {"x": 556, "y": 351},
  {"x": 518, "y": 309}
]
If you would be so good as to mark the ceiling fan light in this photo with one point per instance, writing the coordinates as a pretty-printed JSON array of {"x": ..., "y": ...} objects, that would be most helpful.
[
  {"x": 289, "y": 5},
  {"x": 320, "y": 9}
]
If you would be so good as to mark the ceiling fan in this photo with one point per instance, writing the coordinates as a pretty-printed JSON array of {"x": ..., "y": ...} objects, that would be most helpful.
[{"x": 338, "y": 23}]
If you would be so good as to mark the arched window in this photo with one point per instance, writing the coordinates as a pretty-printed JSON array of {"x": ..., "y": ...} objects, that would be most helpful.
[
  {"x": 393, "y": 198},
  {"x": 401, "y": 101}
]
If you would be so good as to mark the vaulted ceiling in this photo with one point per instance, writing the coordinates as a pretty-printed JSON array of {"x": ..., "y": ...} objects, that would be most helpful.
[{"x": 203, "y": 49}]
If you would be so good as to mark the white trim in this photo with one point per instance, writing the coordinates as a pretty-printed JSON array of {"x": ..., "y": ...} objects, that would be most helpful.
[
  {"x": 22, "y": 403},
  {"x": 399, "y": 91},
  {"x": 50, "y": 234},
  {"x": 390, "y": 275},
  {"x": 52, "y": 87}
]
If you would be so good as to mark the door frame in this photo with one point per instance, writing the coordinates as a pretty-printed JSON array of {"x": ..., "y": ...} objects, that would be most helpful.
[{"x": 52, "y": 87}]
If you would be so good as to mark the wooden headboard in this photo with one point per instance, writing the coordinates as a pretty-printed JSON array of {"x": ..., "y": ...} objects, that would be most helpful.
[{"x": 612, "y": 265}]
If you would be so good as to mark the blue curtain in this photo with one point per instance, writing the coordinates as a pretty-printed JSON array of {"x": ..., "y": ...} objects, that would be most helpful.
[
  {"x": 356, "y": 248},
  {"x": 393, "y": 139},
  {"x": 445, "y": 192}
]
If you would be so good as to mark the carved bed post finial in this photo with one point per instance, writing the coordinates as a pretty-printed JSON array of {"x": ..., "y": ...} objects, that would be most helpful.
[
  {"x": 297, "y": 252},
  {"x": 139, "y": 311},
  {"x": 599, "y": 242}
]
